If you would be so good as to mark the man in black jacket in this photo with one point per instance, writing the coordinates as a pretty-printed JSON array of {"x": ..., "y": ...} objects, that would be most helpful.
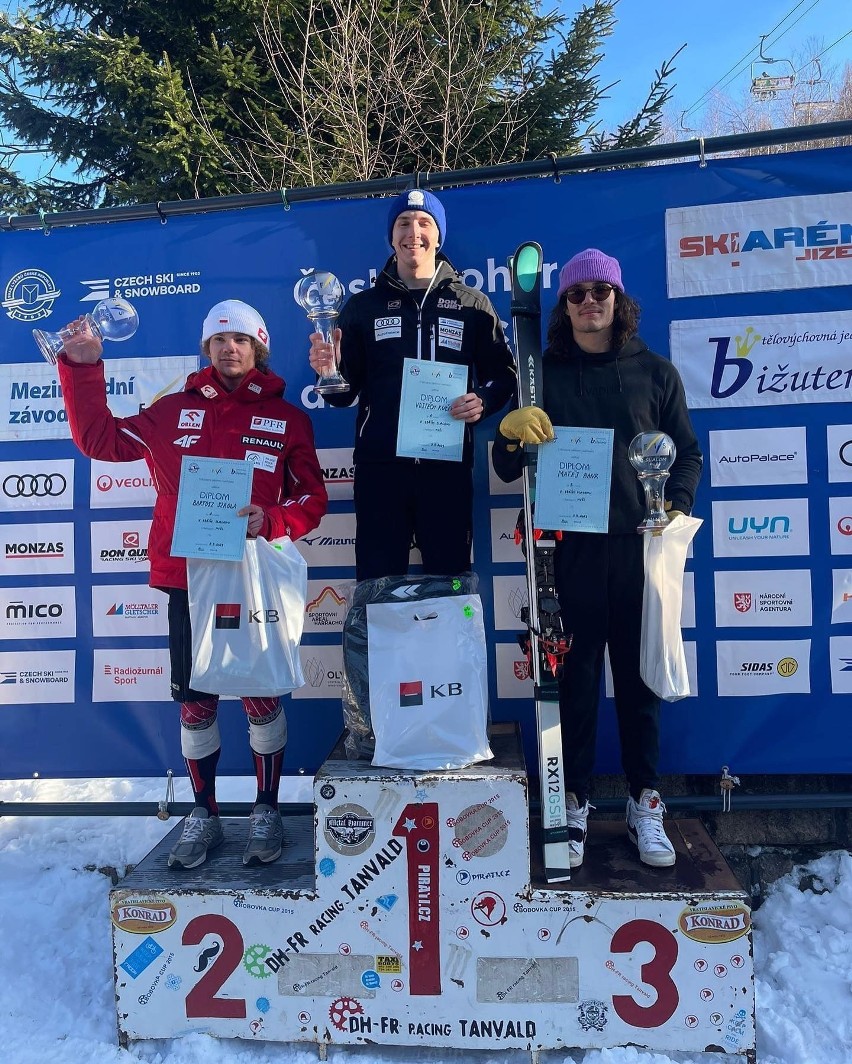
[
  {"x": 418, "y": 309},
  {"x": 598, "y": 373}
]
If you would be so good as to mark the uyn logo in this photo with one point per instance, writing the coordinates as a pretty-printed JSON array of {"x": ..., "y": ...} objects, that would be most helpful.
[{"x": 227, "y": 615}]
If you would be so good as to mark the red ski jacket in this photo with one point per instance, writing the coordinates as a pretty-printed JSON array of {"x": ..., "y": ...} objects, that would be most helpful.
[{"x": 205, "y": 419}]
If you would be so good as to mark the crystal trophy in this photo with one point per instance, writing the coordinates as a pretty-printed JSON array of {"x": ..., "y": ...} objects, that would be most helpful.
[
  {"x": 651, "y": 454},
  {"x": 111, "y": 319},
  {"x": 321, "y": 295}
]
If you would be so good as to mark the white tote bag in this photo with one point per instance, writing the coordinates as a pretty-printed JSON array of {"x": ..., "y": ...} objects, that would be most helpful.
[
  {"x": 247, "y": 620},
  {"x": 662, "y": 660},
  {"x": 428, "y": 683}
]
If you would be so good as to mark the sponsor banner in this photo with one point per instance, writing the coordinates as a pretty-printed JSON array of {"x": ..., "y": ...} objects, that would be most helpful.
[
  {"x": 510, "y": 596},
  {"x": 764, "y": 598},
  {"x": 120, "y": 546},
  {"x": 689, "y": 652},
  {"x": 121, "y": 484},
  {"x": 37, "y": 485},
  {"x": 331, "y": 543},
  {"x": 741, "y": 457},
  {"x": 513, "y": 672},
  {"x": 687, "y": 607},
  {"x": 43, "y": 549},
  {"x": 323, "y": 670},
  {"x": 763, "y": 667},
  {"x": 50, "y": 680},
  {"x": 338, "y": 471},
  {"x": 496, "y": 486},
  {"x": 31, "y": 406},
  {"x": 839, "y": 453},
  {"x": 503, "y": 546},
  {"x": 749, "y": 527},
  {"x": 131, "y": 675},
  {"x": 840, "y": 524},
  {"x": 38, "y": 613},
  {"x": 841, "y": 596},
  {"x": 759, "y": 245},
  {"x": 326, "y": 605},
  {"x": 764, "y": 361},
  {"x": 129, "y": 610},
  {"x": 840, "y": 650}
]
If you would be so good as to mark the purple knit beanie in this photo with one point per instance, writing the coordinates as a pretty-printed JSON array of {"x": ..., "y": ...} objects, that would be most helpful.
[{"x": 589, "y": 265}]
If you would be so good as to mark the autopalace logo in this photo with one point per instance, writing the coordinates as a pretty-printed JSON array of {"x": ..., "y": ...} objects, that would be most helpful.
[{"x": 736, "y": 361}]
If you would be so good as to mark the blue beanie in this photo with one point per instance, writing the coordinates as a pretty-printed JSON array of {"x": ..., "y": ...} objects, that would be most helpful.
[{"x": 418, "y": 199}]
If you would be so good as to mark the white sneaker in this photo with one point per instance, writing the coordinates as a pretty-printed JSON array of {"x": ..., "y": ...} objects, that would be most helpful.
[
  {"x": 646, "y": 831},
  {"x": 576, "y": 817}
]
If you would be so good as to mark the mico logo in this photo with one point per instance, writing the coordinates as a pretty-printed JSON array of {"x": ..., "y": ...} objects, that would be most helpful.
[{"x": 32, "y": 486}]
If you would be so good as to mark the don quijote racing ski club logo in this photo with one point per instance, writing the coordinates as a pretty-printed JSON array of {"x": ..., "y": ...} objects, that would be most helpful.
[
  {"x": 30, "y": 295},
  {"x": 34, "y": 485}
]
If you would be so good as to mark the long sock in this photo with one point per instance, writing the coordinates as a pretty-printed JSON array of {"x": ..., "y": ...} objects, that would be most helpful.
[
  {"x": 202, "y": 776},
  {"x": 267, "y": 767}
]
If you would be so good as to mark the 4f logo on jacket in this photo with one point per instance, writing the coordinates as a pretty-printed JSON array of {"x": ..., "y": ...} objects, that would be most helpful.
[{"x": 186, "y": 441}]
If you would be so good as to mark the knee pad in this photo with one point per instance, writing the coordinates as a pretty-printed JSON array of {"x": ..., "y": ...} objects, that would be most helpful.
[
  {"x": 269, "y": 737},
  {"x": 200, "y": 741}
]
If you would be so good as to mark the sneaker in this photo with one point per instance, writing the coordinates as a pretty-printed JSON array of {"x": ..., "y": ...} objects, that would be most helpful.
[
  {"x": 266, "y": 836},
  {"x": 201, "y": 832},
  {"x": 576, "y": 817},
  {"x": 645, "y": 829}
]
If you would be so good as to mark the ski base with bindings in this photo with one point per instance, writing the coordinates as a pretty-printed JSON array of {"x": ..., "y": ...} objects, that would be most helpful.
[{"x": 545, "y": 642}]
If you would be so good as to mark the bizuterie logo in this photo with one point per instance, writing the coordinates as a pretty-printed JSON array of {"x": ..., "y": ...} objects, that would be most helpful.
[{"x": 34, "y": 485}]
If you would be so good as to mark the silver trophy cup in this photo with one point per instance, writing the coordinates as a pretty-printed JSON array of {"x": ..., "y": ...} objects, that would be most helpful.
[
  {"x": 651, "y": 454},
  {"x": 111, "y": 319},
  {"x": 321, "y": 295}
]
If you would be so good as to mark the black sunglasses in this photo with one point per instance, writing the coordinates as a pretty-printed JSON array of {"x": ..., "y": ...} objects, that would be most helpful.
[{"x": 599, "y": 292}]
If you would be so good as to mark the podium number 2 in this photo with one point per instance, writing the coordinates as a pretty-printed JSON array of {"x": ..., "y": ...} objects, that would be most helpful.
[
  {"x": 201, "y": 1001},
  {"x": 656, "y": 973}
]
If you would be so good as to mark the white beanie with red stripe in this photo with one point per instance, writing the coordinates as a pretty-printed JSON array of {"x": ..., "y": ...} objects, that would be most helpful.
[{"x": 232, "y": 315}]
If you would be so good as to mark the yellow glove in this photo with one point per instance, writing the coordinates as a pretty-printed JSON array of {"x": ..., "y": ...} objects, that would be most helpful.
[
  {"x": 530, "y": 424},
  {"x": 672, "y": 514}
]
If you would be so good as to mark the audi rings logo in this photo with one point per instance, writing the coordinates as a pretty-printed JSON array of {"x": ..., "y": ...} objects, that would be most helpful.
[
  {"x": 34, "y": 486},
  {"x": 845, "y": 453}
]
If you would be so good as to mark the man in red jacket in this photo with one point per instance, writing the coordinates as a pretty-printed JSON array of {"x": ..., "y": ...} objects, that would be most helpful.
[{"x": 237, "y": 410}]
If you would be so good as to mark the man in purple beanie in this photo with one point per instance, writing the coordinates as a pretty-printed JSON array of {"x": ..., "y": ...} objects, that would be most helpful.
[
  {"x": 418, "y": 309},
  {"x": 598, "y": 373}
]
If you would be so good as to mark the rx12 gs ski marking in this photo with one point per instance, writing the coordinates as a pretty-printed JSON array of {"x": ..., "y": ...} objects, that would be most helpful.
[{"x": 544, "y": 643}]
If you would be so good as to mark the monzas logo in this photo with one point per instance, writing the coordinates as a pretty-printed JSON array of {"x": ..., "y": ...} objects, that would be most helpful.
[{"x": 30, "y": 295}]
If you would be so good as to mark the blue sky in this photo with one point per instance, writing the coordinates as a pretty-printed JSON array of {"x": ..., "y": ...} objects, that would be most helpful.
[
  {"x": 721, "y": 36},
  {"x": 718, "y": 34}
]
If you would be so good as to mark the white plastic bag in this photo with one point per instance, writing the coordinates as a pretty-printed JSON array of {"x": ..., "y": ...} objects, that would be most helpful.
[
  {"x": 662, "y": 662},
  {"x": 428, "y": 683},
  {"x": 247, "y": 620}
]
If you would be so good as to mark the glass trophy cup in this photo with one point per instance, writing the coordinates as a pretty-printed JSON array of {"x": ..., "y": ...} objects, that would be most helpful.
[
  {"x": 651, "y": 454},
  {"x": 321, "y": 295},
  {"x": 111, "y": 319}
]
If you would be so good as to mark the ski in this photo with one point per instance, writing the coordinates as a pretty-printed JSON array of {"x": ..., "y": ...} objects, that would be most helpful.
[{"x": 544, "y": 643}]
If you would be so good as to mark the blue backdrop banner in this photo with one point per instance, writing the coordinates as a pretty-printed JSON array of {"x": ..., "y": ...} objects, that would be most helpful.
[{"x": 743, "y": 270}]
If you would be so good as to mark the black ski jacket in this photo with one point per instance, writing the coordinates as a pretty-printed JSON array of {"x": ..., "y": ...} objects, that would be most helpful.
[
  {"x": 631, "y": 391},
  {"x": 387, "y": 323}
]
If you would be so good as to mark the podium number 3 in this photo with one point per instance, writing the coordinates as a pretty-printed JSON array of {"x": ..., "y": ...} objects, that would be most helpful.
[{"x": 656, "y": 973}]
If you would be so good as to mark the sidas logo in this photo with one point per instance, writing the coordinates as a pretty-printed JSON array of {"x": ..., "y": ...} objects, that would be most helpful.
[{"x": 757, "y": 666}]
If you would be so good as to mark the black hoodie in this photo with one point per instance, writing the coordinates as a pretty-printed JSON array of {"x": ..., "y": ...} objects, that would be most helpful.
[{"x": 631, "y": 391}]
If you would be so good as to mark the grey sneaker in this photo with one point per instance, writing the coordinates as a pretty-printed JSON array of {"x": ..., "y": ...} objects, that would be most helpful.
[
  {"x": 266, "y": 836},
  {"x": 576, "y": 817},
  {"x": 201, "y": 832},
  {"x": 646, "y": 830}
]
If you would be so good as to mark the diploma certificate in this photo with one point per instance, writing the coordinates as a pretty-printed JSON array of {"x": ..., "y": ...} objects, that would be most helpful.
[
  {"x": 573, "y": 480},
  {"x": 210, "y": 492},
  {"x": 426, "y": 429}
]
